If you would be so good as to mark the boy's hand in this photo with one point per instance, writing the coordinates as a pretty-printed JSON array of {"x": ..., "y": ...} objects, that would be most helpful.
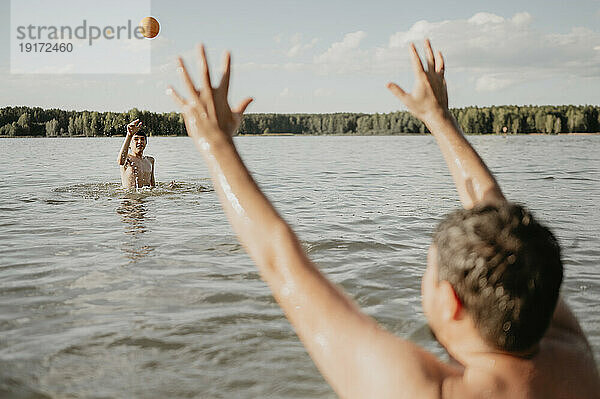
[
  {"x": 207, "y": 113},
  {"x": 134, "y": 127},
  {"x": 429, "y": 98}
]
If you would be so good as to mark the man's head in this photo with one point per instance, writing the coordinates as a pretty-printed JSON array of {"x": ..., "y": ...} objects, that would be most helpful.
[
  {"x": 503, "y": 269},
  {"x": 138, "y": 142}
]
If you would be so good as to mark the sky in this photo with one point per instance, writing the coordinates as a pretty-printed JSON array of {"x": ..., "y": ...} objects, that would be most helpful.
[{"x": 337, "y": 56}]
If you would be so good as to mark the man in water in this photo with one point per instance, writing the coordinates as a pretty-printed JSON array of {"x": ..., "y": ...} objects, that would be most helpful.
[
  {"x": 137, "y": 170},
  {"x": 490, "y": 289}
]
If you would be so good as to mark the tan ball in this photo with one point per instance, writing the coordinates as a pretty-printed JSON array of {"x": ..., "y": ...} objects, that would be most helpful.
[{"x": 150, "y": 27}]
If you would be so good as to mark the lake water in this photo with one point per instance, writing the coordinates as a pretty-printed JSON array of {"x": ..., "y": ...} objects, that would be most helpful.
[{"x": 107, "y": 293}]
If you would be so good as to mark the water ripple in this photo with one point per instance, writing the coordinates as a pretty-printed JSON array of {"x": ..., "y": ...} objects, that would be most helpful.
[{"x": 106, "y": 292}]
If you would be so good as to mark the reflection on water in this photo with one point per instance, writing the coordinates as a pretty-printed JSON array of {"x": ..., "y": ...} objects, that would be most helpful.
[
  {"x": 133, "y": 207},
  {"x": 133, "y": 214},
  {"x": 134, "y": 217}
]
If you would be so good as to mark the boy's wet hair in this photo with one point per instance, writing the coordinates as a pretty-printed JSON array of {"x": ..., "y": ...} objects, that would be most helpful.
[
  {"x": 140, "y": 133},
  {"x": 506, "y": 270}
]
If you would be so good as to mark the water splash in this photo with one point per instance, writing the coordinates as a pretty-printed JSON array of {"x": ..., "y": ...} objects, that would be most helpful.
[{"x": 116, "y": 191}]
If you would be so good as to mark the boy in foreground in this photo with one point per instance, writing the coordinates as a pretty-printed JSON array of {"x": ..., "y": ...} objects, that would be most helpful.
[
  {"x": 137, "y": 170},
  {"x": 490, "y": 290}
]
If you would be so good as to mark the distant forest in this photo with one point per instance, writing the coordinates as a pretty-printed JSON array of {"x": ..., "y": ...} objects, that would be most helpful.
[{"x": 509, "y": 119}]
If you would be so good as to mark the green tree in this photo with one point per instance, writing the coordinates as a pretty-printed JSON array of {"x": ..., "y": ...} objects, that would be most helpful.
[
  {"x": 52, "y": 128},
  {"x": 71, "y": 127},
  {"x": 24, "y": 120},
  {"x": 557, "y": 126}
]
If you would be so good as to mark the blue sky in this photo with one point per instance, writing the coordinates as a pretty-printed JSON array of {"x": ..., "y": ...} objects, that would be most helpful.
[{"x": 337, "y": 56}]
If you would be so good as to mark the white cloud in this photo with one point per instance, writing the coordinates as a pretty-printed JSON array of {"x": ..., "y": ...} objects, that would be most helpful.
[
  {"x": 481, "y": 31},
  {"x": 484, "y": 40},
  {"x": 521, "y": 18},
  {"x": 493, "y": 82},
  {"x": 419, "y": 30},
  {"x": 344, "y": 56},
  {"x": 494, "y": 44},
  {"x": 285, "y": 92},
  {"x": 498, "y": 51},
  {"x": 495, "y": 51},
  {"x": 485, "y": 18},
  {"x": 297, "y": 47}
]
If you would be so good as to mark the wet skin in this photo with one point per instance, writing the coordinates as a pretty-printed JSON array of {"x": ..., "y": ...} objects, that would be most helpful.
[
  {"x": 355, "y": 355},
  {"x": 137, "y": 170}
]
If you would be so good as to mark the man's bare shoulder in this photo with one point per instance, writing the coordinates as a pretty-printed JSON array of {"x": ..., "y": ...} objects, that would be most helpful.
[
  {"x": 569, "y": 361},
  {"x": 563, "y": 367}
]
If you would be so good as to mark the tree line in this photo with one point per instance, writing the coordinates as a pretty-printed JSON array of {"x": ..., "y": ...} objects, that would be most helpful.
[{"x": 508, "y": 119}]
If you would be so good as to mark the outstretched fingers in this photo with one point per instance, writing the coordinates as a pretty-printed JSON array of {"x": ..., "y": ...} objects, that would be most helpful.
[
  {"x": 175, "y": 96},
  {"x": 187, "y": 80},
  {"x": 416, "y": 61},
  {"x": 206, "y": 83},
  {"x": 429, "y": 56},
  {"x": 243, "y": 105},
  {"x": 205, "y": 73},
  {"x": 397, "y": 91},
  {"x": 440, "y": 67},
  {"x": 224, "y": 85},
  {"x": 206, "y": 102}
]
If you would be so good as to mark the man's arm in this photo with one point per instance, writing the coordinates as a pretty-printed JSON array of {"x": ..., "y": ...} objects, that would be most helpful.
[
  {"x": 356, "y": 356},
  {"x": 429, "y": 102},
  {"x": 474, "y": 181},
  {"x": 132, "y": 128}
]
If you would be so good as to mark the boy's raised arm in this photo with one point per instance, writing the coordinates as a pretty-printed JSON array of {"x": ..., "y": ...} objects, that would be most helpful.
[
  {"x": 132, "y": 128},
  {"x": 429, "y": 102},
  {"x": 357, "y": 357}
]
